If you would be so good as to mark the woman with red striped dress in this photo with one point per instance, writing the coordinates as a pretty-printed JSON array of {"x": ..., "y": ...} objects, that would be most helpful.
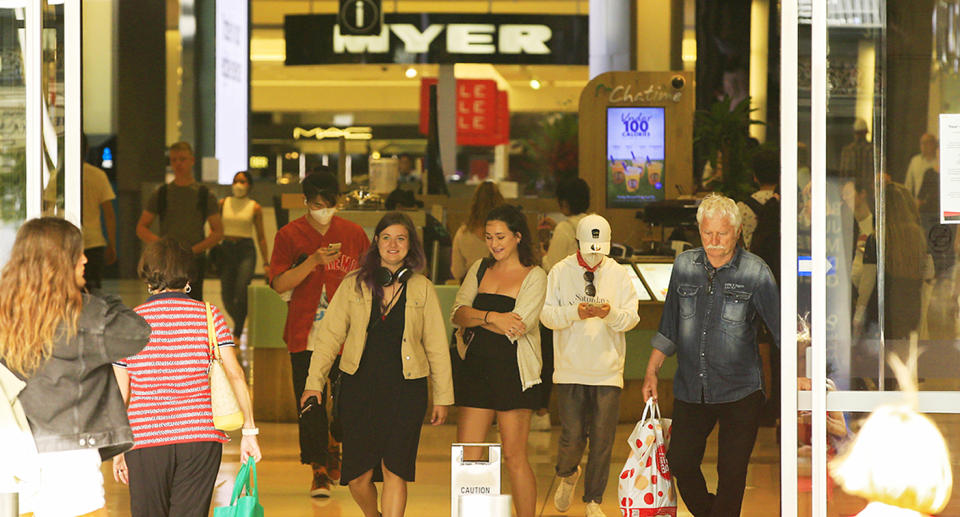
[{"x": 176, "y": 454}]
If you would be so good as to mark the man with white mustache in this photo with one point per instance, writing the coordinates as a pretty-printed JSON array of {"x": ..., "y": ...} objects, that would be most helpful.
[{"x": 710, "y": 321}]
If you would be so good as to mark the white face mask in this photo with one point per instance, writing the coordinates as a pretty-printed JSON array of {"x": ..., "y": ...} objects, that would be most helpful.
[
  {"x": 324, "y": 215},
  {"x": 592, "y": 258},
  {"x": 240, "y": 190}
]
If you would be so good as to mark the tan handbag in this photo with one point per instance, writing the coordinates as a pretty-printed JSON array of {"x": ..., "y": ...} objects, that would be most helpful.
[{"x": 226, "y": 411}]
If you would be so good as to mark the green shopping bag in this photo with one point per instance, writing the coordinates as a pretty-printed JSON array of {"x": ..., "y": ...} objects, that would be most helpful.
[{"x": 248, "y": 505}]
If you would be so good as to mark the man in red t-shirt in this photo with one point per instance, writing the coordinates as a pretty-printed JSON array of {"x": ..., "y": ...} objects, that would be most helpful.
[{"x": 311, "y": 255}]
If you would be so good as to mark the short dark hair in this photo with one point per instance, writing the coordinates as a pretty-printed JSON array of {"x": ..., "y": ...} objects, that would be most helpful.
[
  {"x": 181, "y": 146},
  {"x": 576, "y": 193},
  {"x": 766, "y": 166},
  {"x": 165, "y": 264},
  {"x": 517, "y": 223},
  {"x": 321, "y": 182}
]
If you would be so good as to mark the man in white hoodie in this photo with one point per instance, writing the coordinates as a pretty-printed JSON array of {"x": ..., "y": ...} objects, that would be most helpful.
[{"x": 590, "y": 304}]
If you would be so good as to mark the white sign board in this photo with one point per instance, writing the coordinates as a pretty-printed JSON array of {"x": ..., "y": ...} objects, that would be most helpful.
[
  {"x": 232, "y": 106},
  {"x": 473, "y": 478},
  {"x": 950, "y": 168}
]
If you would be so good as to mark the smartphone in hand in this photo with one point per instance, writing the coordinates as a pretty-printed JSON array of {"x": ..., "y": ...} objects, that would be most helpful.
[{"x": 311, "y": 403}]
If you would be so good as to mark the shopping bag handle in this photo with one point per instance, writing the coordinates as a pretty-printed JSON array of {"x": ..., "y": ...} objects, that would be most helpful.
[
  {"x": 652, "y": 408},
  {"x": 247, "y": 471}
]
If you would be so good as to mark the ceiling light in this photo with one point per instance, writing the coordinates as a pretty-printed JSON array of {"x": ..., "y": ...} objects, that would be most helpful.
[
  {"x": 410, "y": 72},
  {"x": 535, "y": 84}
]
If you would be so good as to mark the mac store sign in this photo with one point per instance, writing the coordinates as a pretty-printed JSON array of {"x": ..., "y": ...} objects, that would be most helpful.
[{"x": 316, "y": 39}]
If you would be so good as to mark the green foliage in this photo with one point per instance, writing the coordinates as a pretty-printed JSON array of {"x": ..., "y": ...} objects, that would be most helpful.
[
  {"x": 551, "y": 153},
  {"x": 722, "y": 132}
]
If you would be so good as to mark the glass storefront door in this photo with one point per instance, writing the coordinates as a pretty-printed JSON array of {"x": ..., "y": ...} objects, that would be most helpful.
[
  {"x": 40, "y": 163},
  {"x": 869, "y": 266}
]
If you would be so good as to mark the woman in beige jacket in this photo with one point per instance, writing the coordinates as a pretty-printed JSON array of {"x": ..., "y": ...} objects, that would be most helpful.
[{"x": 388, "y": 319}]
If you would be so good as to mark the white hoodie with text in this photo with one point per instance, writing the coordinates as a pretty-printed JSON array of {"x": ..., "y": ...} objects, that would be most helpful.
[{"x": 592, "y": 351}]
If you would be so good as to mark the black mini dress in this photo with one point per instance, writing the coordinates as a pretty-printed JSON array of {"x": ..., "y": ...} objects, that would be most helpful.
[
  {"x": 382, "y": 412},
  {"x": 489, "y": 376}
]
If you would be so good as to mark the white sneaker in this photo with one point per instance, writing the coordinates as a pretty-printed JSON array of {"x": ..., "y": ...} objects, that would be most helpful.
[
  {"x": 564, "y": 494},
  {"x": 540, "y": 422},
  {"x": 593, "y": 510}
]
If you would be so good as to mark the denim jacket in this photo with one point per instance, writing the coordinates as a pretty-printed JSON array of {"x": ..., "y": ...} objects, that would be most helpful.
[
  {"x": 72, "y": 401},
  {"x": 710, "y": 322}
]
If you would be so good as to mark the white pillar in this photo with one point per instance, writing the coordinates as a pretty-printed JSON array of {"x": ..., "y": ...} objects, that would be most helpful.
[
  {"x": 609, "y": 36},
  {"x": 447, "y": 118}
]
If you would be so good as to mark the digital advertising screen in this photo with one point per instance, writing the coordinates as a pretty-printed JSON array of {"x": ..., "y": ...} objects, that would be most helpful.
[
  {"x": 636, "y": 153},
  {"x": 657, "y": 277},
  {"x": 638, "y": 286}
]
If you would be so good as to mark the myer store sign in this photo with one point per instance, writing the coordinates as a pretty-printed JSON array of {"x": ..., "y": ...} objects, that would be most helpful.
[{"x": 314, "y": 39}]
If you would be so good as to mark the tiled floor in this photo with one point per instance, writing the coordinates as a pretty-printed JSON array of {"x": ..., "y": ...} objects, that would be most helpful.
[{"x": 284, "y": 483}]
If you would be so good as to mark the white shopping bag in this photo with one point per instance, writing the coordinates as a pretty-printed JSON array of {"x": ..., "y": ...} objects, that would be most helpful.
[{"x": 645, "y": 488}]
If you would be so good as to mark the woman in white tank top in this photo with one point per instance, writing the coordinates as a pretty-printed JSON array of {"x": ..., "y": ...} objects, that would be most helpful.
[{"x": 238, "y": 255}]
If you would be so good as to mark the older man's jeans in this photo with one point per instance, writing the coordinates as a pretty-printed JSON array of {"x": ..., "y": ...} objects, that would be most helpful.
[
  {"x": 692, "y": 423},
  {"x": 587, "y": 411}
]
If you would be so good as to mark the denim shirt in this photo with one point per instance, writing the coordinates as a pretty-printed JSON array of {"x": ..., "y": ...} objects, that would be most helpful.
[{"x": 710, "y": 322}]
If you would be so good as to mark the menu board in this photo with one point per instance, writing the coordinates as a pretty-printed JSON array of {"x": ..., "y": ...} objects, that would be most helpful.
[
  {"x": 949, "y": 168},
  {"x": 636, "y": 151},
  {"x": 657, "y": 277},
  {"x": 638, "y": 286}
]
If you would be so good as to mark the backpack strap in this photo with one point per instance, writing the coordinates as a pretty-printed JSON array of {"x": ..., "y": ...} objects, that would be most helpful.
[
  {"x": 162, "y": 201},
  {"x": 202, "y": 194},
  {"x": 754, "y": 205},
  {"x": 484, "y": 264}
]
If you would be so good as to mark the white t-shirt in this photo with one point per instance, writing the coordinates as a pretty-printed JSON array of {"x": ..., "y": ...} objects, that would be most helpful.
[
  {"x": 915, "y": 171},
  {"x": 96, "y": 191},
  {"x": 70, "y": 484}
]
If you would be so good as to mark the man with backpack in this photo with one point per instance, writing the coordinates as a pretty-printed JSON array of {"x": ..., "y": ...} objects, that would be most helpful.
[{"x": 183, "y": 207}]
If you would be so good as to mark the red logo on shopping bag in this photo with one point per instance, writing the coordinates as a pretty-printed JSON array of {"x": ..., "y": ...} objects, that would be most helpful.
[{"x": 662, "y": 462}]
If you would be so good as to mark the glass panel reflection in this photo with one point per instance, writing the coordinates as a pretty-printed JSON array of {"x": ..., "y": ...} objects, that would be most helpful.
[
  {"x": 53, "y": 109},
  {"x": 12, "y": 127}
]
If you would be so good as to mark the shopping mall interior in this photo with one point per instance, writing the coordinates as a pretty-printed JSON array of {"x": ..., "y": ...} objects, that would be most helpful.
[{"x": 422, "y": 101}]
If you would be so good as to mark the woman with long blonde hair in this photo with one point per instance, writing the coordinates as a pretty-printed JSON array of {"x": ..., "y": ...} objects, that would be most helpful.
[
  {"x": 61, "y": 342},
  {"x": 469, "y": 245}
]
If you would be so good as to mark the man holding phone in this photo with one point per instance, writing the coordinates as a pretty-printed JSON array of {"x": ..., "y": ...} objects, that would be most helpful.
[
  {"x": 311, "y": 255},
  {"x": 590, "y": 305}
]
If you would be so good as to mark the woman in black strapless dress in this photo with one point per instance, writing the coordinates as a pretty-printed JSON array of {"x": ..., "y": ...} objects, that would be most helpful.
[{"x": 497, "y": 311}]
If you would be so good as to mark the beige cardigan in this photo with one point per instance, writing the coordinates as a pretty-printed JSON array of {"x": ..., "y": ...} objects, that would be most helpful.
[
  {"x": 424, "y": 350},
  {"x": 530, "y": 299}
]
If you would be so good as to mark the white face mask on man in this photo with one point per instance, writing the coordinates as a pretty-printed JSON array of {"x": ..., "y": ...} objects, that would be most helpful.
[{"x": 323, "y": 215}]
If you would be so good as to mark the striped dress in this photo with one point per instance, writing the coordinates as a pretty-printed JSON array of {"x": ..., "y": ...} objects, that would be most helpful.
[{"x": 169, "y": 387}]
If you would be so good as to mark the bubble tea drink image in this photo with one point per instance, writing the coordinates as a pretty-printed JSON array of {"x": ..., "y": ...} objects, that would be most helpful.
[
  {"x": 654, "y": 171},
  {"x": 634, "y": 174},
  {"x": 618, "y": 169}
]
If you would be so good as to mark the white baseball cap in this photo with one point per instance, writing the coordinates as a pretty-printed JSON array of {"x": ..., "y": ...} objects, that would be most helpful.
[{"x": 593, "y": 234}]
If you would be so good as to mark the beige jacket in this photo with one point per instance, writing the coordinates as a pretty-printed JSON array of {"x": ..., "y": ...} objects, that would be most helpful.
[
  {"x": 533, "y": 291},
  {"x": 424, "y": 350}
]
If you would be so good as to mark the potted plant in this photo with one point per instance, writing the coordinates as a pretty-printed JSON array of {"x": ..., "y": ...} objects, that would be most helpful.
[{"x": 721, "y": 136}]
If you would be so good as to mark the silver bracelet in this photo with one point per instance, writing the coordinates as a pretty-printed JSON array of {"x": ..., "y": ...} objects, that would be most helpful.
[{"x": 250, "y": 431}]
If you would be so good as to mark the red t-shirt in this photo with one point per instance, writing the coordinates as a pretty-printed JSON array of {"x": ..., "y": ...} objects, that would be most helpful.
[{"x": 298, "y": 238}]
